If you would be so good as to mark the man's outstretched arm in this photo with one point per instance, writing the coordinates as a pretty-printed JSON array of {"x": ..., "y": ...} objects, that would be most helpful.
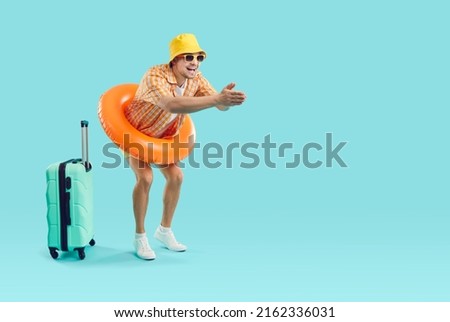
[{"x": 186, "y": 104}]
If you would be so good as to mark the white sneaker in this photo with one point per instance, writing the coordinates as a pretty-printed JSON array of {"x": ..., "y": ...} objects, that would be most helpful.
[
  {"x": 143, "y": 249},
  {"x": 168, "y": 239}
]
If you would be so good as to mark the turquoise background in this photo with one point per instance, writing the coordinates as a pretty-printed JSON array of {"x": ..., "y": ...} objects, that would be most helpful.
[{"x": 373, "y": 73}]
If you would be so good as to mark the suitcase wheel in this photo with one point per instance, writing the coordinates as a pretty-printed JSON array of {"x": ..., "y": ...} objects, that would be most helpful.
[
  {"x": 54, "y": 253},
  {"x": 81, "y": 253},
  {"x": 92, "y": 242}
]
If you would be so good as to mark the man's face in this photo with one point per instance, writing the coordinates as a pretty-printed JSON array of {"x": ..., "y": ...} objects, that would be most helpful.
[{"x": 186, "y": 65}]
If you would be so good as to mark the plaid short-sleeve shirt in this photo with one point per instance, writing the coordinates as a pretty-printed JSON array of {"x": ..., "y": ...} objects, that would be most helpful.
[{"x": 145, "y": 114}]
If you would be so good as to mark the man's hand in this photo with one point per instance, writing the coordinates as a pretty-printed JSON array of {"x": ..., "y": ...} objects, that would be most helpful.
[{"x": 228, "y": 97}]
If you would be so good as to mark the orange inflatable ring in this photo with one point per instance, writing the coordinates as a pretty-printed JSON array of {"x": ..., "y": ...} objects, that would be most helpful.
[{"x": 148, "y": 149}]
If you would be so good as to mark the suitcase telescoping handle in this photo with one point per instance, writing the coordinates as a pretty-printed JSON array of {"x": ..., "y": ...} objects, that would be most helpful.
[{"x": 84, "y": 145}]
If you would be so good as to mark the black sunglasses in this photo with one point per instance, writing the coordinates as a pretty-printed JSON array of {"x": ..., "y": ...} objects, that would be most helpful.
[{"x": 190, "y": 57}]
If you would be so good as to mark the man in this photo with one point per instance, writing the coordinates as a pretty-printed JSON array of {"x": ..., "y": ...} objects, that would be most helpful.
[{"x": 165, "y": 94}]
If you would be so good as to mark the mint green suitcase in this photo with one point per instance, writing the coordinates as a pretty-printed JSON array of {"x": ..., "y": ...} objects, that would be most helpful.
[{"x": 70, "y": 203}]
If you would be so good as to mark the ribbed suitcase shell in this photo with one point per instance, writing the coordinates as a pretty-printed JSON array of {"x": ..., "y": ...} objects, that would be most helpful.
[{"x": 80, "y": 231}]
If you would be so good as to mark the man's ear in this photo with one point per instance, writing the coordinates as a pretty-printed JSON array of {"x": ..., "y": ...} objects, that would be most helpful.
[{"x": 173, "y": 62}]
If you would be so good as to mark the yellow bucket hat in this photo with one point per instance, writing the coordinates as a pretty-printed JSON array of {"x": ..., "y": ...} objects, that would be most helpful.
[{"x": 183, "y": 44}]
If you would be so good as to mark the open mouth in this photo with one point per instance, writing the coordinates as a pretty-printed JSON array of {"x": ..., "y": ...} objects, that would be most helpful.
[{"x": 191, "y": 69}]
